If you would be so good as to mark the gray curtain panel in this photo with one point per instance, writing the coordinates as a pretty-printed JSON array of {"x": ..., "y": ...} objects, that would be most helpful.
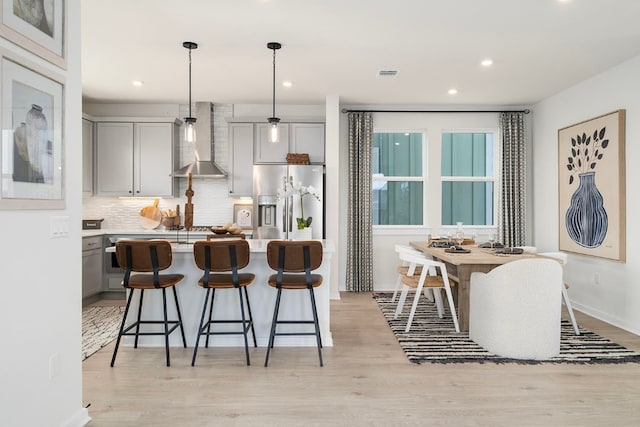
[
  {"x": 513, "y": 197},
  {"x": 360, "y": 217}
]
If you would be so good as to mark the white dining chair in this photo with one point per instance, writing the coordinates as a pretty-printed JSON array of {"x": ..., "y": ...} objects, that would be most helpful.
[
  {"x": 562, "y": 258},
  {"x": 427, "y": 279},
  {"x": 404, "y": 266},
  {"x": 514, "y": 310}
]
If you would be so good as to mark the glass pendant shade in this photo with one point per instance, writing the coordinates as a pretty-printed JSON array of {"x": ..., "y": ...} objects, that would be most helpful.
[
  {"x": 190, "y": 129},
  {"x": 274, "y": 134}
]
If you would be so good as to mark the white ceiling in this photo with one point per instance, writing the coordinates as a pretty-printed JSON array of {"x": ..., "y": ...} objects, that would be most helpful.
[{"x": 336, "y": 47}]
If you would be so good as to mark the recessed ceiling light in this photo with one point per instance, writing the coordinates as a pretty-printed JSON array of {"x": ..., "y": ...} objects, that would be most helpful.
[
  {"x": 453, "y": 91},
  {"x": 407, "y": 134},
  {"x": 137, "y": 83},
  {"x": 487, "y": 62},
  {"x": 387, "y": 73},
  {"x": 287, "y": 84}
]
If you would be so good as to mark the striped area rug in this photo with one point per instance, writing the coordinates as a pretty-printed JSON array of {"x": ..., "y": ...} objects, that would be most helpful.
[
  {"x": 99, "y": 327},
  {"x": 434, "y": 340}
]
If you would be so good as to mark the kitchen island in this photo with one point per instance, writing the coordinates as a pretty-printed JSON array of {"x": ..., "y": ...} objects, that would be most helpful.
[{"x": 294, "y": 304}]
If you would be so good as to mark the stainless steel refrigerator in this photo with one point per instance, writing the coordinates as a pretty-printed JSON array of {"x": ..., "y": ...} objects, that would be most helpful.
[{"x": 277, "y": 207}]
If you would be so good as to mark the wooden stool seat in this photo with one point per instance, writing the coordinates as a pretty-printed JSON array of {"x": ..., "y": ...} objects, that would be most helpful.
[
  {"x": 225, "y": 281},
  {"x": 146, "y": 281},
  {"x": 294, "y": 281}
]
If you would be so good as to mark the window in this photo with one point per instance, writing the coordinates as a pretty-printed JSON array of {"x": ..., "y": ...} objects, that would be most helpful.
[
  {"x": 397, "y": 179},
  {"x": 468, "y": 178}
]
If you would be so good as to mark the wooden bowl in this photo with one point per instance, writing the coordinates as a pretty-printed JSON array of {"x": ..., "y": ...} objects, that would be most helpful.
[{"x": 219, "y": 230}]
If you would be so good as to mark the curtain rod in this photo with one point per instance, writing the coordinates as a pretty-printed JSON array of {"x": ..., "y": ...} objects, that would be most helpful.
[{"x": 526, "y": 111}]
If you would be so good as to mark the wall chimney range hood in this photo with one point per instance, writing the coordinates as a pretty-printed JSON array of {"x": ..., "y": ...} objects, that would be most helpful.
[{"x": 204, "y": 165}]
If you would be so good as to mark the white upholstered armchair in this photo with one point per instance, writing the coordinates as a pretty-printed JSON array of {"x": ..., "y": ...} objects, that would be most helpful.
[{"x": 515, "y": 309}]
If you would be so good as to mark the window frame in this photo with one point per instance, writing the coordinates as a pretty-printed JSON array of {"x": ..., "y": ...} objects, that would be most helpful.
[
  {"x": 398, "y": 228},
  {"x": 495, "y": 179}
]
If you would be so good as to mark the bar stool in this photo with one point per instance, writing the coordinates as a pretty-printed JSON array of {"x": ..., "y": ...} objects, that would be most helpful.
[
  {"x": 217, "y": 258},
  {"x": 294, "y": 260},
  {"x": 147, "y": 256}
]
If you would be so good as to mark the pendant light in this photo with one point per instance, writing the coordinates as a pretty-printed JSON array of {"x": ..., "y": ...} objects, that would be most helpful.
[
  {"x": 190, "y": 122},
  {"x": 273, "y": 120}
]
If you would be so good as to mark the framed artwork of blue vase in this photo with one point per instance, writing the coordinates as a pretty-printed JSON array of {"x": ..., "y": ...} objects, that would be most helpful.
[{"x": 591, "y": 187}]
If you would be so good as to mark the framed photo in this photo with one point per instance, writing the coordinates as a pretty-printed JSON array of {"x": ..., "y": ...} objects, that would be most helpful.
[
  {"x": 243, "y": 216},
  {"x": 36, "y": 25},
  {"x": 31, "y": 167},
  {"x": 591, "y": 187}
]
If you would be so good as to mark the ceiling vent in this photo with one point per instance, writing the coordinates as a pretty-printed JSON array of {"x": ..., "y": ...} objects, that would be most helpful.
[{"x": 387, "y": 73}]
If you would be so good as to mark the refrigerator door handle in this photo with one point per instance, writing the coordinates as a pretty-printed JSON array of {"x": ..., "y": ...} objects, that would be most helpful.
[
  {"x": 284, "y": 216},
  {"x": 291, "y": 214}
]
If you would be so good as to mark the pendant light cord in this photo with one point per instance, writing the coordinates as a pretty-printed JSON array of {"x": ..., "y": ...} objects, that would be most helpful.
[
  {"x": 190, "y": 82},
  {"x": 274, "y": 83}
]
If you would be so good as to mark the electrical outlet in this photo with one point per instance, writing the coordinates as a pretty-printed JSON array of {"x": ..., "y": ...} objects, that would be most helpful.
[{"x": 596, "y": 278}]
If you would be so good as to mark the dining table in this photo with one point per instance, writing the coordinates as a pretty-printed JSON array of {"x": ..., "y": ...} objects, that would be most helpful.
[{"x": 460, "y": 265}]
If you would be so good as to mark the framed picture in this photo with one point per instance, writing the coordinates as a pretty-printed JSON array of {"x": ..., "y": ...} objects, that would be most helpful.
[
  {"x": 591, "y": 185},
  {"x": 36, "y": 25},
  {"x": 243, "y": 216},
  {"x": 31, "y": 167}
]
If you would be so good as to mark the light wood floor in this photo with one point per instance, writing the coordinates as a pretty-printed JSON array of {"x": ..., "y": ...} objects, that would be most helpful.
[{"x": 366, "y": 381}]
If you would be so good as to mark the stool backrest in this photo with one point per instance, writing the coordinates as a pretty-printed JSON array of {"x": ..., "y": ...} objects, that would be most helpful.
[
  {"x": 220, "y": 256},
  {"x": 293, "y": 253},
  {"x": 141, "y": 255}
]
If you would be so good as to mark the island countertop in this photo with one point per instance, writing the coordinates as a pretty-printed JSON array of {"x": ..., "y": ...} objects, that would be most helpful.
[{"x": 294, "y": 305}]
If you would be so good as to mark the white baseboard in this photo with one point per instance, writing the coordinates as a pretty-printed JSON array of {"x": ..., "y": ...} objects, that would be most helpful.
[{"x": 79, "y": 419}]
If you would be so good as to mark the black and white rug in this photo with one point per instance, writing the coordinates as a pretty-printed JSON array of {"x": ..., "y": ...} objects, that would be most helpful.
[
  {"x": 435, "y": 340},
  {"x": 99, "y": 327}
]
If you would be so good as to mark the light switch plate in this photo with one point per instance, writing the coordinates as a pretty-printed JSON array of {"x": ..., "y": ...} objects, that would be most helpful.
[{"x": 59, "y": 226}]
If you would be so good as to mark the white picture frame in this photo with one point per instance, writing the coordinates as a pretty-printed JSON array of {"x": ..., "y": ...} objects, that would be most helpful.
[
  {"x": 32, "y": 149},
  {"x": 36, "y": 25},
  {"x": 243, "y": 216}
]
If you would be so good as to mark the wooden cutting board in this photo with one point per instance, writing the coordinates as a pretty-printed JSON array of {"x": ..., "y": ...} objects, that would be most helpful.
[{"x": 151, "y": 216}]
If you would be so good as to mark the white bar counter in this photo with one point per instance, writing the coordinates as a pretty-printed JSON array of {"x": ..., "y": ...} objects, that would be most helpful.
[{"x": 294, "y": 305}]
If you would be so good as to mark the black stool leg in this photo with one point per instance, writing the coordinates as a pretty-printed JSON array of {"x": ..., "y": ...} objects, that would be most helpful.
[
  {"x": 124, "y": 318},
  {"x": 200, "y": 329},
  {"x": 244, "y": 327},
  {"x": 213, "y": 296},
  {"x": 135, "y": 344},
  {"x": 315, "y": 322},
  {"x": 175, "y": 297},
  {"x": 166, "y": 325},
  {"x": 272, "y": 335},
  {"x": 253, "y": 331}
]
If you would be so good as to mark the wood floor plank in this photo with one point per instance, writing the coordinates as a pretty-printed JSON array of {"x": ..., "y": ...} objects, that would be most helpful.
[{"x": 366, "y": 381}]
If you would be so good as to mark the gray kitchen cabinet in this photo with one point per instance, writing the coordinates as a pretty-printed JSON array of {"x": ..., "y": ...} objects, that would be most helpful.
[
  {"x": 87, "y": 157},
  {"x": 308, "y": 138},
  {"x": 268, "y": 152},
  {"x": 241, "y": 159},
  {"x": 92, "y": 256},
  {"x": 294, "y": 138},
  {"x": 135, "y": 158}
]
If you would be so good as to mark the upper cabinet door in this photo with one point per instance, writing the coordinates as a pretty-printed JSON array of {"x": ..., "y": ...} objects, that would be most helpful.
[
  {"x": 153, "y": 158},
  {"x": 241, "y": 159},
  {"x": 308, "y": 138},
  {"x": 87, "y": 157},
  {"x": 268, "y": 152},
  {"x": 114, "y": 146}
]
